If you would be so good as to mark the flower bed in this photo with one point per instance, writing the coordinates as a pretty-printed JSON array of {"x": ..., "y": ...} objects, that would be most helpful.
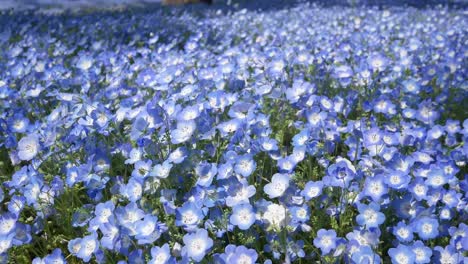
[{"x": 307, "y": 134}]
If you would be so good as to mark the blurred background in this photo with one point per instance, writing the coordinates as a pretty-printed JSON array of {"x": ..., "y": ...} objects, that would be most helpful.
[{"x": 104, "y": 4}]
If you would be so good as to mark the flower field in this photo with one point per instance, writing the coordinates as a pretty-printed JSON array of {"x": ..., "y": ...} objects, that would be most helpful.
[{"x": 196, "y": 134}]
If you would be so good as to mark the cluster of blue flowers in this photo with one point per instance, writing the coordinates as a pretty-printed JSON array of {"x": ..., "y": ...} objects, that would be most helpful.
[{"x": 305, "y": 134}]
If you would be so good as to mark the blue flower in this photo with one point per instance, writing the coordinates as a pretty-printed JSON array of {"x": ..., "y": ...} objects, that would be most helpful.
[
  {"x": 18, "y": 123},
  {"x": 189, "y": 215},
  {"x": 161, "y": 170},
  {"x": 341, "y": 173},
  {"x": 422, "y": 252},
  {"x": 365, "y": 254},
  {"x": 183, "y": 132},
  {"x": 161, "y": 255},
  {"x": 129, "y": 216},
  {"x": 325, "y": 240},
  {"x": 142, "y": 169},
  {"x": 402, "y": 255},
  {"x": 7, "y": 224},
  {"x": 85, "y": 247},
  {"x": 278, "y": 185},
  {"x": 197, "y": 244},
  {"x": 28, "y": 147},
  {"x": 243, "y": 216},
  {"x": 426, "y": 227},
  {"x": 397, "y": 180},
  {"x": 312, "y": 190},
  {"x": 133, "y": 190},
  {"x": 377, "y": 62},
  {"x": 149, "y": 230},
  {"x": 6, "y": 242},
  {"x": 370, "y": 215},
  {"x": 239, "y": 193},
  {"x": 206, "y": 171},
  {"x": 403, "y": 232},
  {"x": 239, "y": 254},
  {"x": 56, "y": 257},
  {"x": 344, "y": 74},
  {"x": 245, "y": 165},
  {"x": 375, "y": 187}
]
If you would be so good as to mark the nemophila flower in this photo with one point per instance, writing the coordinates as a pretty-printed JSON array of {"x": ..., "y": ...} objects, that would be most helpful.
[
  {"x": 55, "y": 257},
  {"x": 229, "y": 127},
  {"x": 149, "y": 230},
  {"x": 298, "y": 154},
  {"x": 435, "y": 132},
  {"x": 340, "y": 173},
  {"x": 370, "y": 215},
  {"x": 427, "y": 113},
  {"x": 189, "y": 215},
  {"x": 426, "y": 227},
  {"x": 315, "y": 117},
  {"x": 128, "y": 216},
  {"x": 344, "y": 74},
  {"x": 189, "y": 113},
  {"x": 84, "y": 248},
  {"x": 161, "y": 255},
  {"x": 134, "y": 156},
  {"x": 243, "y": 216},
  {"x": 447, "y": 255},
  {"x": 403, "y": 232},
  {"x": 446, "y": 214},
  {"x": 372, "y": 137},
  {"x": 245, "y": 165},
  {"x": 301, "y": 138},
  {"x": 365, "y": 254},
  {"x": 7, "y": 223},
  {"x": 375, "y": 187},
  {"x": 110, "y": 234},
  {"x": 402, "y": 255},
  {"x": 298, "y": 88},
  {"x": 286, "y": 164},
  {"x": 326, "y": 103},
  {"x": 278, "y": 185},
  {"x": 6, "y": 242},
  {"x": 276, "y": 216},
  {"x": 397, "y": 180},
  {"x": 142, "y": 169},
  {"x": 103, "y": 212},
  {"x": 146, "y": 78},
  {"x": 418, "y": 188},
  {"x": 239, "y": 193},
  {"x": 177, "y": 156},
  {"x": 239, "y": 255},
  {"x": 183, "y": 132},
  {"x": 206, "y": 172},
  {"x": 377, "y": 62},
  {"x": 161, "y": 170},
  {"x": 28, "y": 147},
  {"x": 422, "y": 252},
  {"x": 436, "y": 178},
  {"x": 411, "y": 86},
  {"x": 299, "y": 216},
  {"x": 325, "y": 240},
  {"x": 197, "y": 244},
  {"x": 133, "y": 190},
  {"x": 85, "y": 62},
  {"x": 312, "y": 189},
  {"x": 18, "y": 123},
  {"x": 385, "y": 106}
]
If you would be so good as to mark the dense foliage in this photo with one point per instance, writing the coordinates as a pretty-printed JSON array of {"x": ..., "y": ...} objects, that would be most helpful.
[{"x": 307, "y": 134}]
